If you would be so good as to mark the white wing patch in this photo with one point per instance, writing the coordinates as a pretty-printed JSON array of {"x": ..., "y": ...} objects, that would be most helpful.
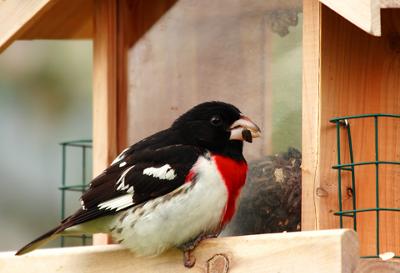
[
  {"x": 83, "y": 205},
  {"x": 165, "y": 172},
  {"x": 117, "y": 203},
  {"x": 121, "y": 181},
  {"x": 120, "y": 156}
]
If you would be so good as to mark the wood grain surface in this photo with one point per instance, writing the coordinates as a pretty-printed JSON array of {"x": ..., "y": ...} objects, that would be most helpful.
[{"x": 332, "y": 251}]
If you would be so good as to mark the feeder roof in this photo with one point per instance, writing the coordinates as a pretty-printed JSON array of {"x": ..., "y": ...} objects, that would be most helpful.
[
  {"x": 72, "y": 19},
  {"x": 44, "y": 19},
  {"x": 364, "y": 14}
]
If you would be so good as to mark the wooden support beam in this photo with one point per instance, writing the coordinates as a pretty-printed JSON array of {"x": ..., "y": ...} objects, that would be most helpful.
[
  {"x": 104, "y": 89},
  {"x": 311, "y": 121},
  {"x": 329, "y": 251}
]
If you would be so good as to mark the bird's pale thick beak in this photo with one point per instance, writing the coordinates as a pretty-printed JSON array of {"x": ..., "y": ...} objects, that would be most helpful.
[{"x": 244, "y": 129}]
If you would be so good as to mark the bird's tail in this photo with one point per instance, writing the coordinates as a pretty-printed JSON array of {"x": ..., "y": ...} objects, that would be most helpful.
[
  {"x": 48, "y": 236},
  {"x": 69, "y": 227}
]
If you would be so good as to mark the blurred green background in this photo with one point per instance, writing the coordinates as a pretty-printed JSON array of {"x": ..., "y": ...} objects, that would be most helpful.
[
  {"x": 285, "y": 81},
  {"x": 45, "y": 98}
]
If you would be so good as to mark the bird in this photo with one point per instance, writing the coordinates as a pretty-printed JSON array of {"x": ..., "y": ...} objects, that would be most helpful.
[{"x": 172, "y": 189}]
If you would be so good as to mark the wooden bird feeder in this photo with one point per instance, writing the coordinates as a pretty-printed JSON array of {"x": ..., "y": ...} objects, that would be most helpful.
[
  {"x": 351, "y": 52},
  {"x": 155, "y": 59}
]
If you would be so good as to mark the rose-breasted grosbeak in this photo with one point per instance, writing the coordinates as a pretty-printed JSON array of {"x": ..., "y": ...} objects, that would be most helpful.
[{"x": 172, "y": 189}]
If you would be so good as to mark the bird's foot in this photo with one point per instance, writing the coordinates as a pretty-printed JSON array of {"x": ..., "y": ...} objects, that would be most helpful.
[
  {"x": 210, "y": 236},
  {"x": 188, "y": 259}
]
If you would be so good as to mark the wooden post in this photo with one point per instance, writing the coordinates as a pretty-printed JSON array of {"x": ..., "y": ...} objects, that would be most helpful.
[
  {"x": 104, "y": 90},
  {"x": 311, "y": 115}
]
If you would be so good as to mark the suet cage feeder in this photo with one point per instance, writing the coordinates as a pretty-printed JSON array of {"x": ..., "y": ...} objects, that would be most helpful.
[
  {"x": 85, "y": 147},
  {"x": 343, "y": 123}
]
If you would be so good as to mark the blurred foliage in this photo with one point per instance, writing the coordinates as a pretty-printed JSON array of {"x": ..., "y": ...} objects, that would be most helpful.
[
  {"x": 45, "y": 98},
  {"x": 46, "y": 71},
  {"x": 286, "y": 84}
]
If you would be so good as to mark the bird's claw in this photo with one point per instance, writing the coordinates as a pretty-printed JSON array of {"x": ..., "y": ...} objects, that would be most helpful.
[{"x": 188, "y": 259}]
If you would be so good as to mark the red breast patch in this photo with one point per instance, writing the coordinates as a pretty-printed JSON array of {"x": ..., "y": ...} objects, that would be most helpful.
[{"x": 234, "y": 175}]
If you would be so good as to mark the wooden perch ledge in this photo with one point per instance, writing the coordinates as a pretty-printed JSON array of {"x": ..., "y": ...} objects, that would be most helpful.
[{"x": 325, "y": 251}]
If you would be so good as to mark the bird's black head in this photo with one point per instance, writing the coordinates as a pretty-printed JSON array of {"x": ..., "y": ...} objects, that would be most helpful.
[{"x": 217, "y": 126}]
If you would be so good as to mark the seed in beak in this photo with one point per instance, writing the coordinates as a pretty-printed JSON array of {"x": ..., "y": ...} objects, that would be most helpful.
[{"x": 246, "y": 134}]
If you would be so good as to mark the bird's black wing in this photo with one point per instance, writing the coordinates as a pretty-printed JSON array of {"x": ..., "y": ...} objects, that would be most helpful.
[{"x": 135, "y": 178}]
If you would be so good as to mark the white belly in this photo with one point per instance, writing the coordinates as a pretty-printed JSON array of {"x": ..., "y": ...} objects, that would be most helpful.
[{"x": 175, "y": 218}]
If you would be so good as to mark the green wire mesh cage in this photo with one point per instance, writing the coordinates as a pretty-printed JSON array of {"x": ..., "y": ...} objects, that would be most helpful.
[
  {"x": 83, "y": 150},
  {"x": 343, "y": 123}
]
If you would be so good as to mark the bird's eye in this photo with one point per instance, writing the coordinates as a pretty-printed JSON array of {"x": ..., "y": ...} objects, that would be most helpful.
[{"x": 216, "y": 120}]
